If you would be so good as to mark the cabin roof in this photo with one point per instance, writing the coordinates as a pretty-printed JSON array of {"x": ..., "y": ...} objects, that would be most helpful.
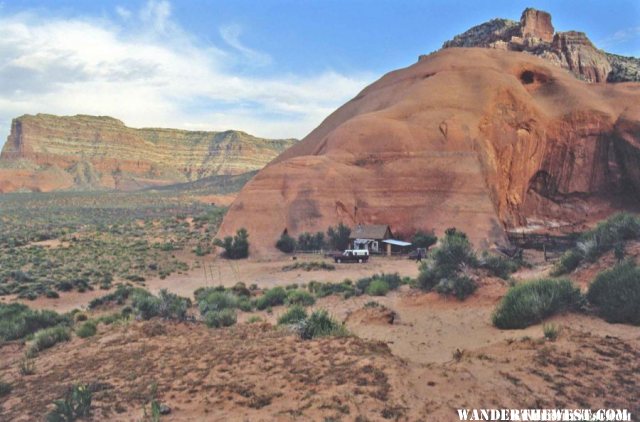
[{"x": 373, "y": 231}]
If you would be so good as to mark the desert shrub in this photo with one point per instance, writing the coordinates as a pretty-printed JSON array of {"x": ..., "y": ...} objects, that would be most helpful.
[
  {"x": 300, "y": 297},
  {"x": 222, "y": 318},
  {"x": 215, "y": 300},
  {"x": 245, "y": 305},
  {"x": 372, "y": 304},
  {"x": 446, "y": 261},
  {"x": 75, "y": 404},
  {"x": 49, "y": 337},
  {"x": 286, "y": 243},
  {"x": 499, "y": 266},
  {"x": 172, "y": 306},
  {"x": 616, "y": 229},
  {"x": 423, "y": 239},
  {"x": 293, "y": 315},
  {"x": 616, "y": 293},
  {"x": 147, "y": 306},
  {"x": 569, "y": 261},
  {"x": 236, "y": 247},
  {"x": 378, "y": 287},
  {"x": 339, "y": 237},
  {"x": 18, "y": 321},
  {"x": 531, "y": 302},
  {"x": 5, "y": 388},
  {"x": 309, "y": 266},
  {"x": 240, "y": 289},
  {"x": 52, "y": 294},
  {"x": 345, "y": 288},
  {"x": 321, "y": 324},
  {"x": 272, "y": 297},
  {"x": 87, "y": 329},
  {"x": 459, "y": 286},
  {"x": 550, "y": 331},
  {"x": 27, "y": 366},
  {"x": 254, "y": 319}
]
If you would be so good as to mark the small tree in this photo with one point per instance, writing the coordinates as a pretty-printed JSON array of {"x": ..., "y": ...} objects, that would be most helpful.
[
  {"x": 236, "y": 247},
  {"x": 286, "y": 243},
  {"x": 339, "y": 237},
  {"x": 423, "y": 240}
]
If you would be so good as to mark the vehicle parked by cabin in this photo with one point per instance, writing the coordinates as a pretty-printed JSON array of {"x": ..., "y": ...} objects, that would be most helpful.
[{"x": 352, "y": 255}]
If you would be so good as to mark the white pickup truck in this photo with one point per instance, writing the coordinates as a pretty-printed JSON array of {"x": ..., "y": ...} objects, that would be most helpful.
[{"x": 352, "y": 255}]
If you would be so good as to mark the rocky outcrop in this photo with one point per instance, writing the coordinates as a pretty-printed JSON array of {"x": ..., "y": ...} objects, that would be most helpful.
[
  {"x": 534, "y": 34},
  {"x": 89, "y": 152},
  {"x": 484, "y": 140}
]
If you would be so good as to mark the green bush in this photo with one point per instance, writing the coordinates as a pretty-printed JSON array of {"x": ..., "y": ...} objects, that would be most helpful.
[
  {"x": 321, "y": 324},
  {"x": 18, "y": 321},
  {"x": 499, "y": 266},
  {"x": 378, "y": 287},
  {"x": 172, "y": 306},
  {"x": 5, "y": 388},
  {"x": 214, "y": 300},
  {"x": 75, "y": 404},
  {"x": 531, "y": 302},
  {"x": 345, "y": 288},
  {"x": 147, "y": 306},
  {"x": 550, "y": 331},
  {"x": 310, "y": 242},
  {"x": 293, "y": 315},
  {"x": 446, "y": 261},
  {"x": 286, "y": 243},
  {"x": 236, "y": 247},
  {"x": 569, "y": 261},
  {"x": 49, "y": 337},
  {"x": 459, "y": 286},
  {"x": 87, "y": 329},
  {"x": 272, "y": 297},
  {"x": 222, "y": 318},
  {"x": 423, "y": 240},
  {"x": 616, "y": 294},
  {"x": 300, "y": 297}
]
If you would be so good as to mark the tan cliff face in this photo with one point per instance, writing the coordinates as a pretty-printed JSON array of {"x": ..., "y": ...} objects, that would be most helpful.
[
  {"x": 101, "y": 152},
  {"x": 534, "y": 34},
  {"x": 481, "y": 139}
]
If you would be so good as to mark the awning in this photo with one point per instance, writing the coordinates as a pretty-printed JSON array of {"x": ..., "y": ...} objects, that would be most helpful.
[{"x": 397, "y": 242}]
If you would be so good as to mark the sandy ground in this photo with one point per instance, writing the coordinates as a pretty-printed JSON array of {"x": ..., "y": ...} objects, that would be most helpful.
[{"x": 417, "y": 357}]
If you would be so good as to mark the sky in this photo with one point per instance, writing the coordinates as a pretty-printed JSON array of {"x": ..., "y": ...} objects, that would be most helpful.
[{"x": 272, "y": 68}]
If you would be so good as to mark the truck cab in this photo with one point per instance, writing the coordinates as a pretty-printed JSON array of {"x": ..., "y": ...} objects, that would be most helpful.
[{"x": 352, "y": 255}]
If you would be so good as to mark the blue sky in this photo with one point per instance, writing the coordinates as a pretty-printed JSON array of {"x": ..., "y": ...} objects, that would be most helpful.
[{"x": 270, "y": 67}]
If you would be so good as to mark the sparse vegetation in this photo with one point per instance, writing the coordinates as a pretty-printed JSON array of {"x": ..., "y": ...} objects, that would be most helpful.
[
  {"x": 377, "y": 287},
  {"x": 87, "y": 329},
  {"x": 616, "y": 293},
  {"x": 236, "y": 247},
  {"x": 18, "y": 321},
  {"x": 48, "y": 337},
  {"x": 321, "y": 324},
  {"x": 442, "y": 271},
  {"x": 74, "y": 405},
  {"x": 309, "y": 266},
  {"x": 610, "y": 234},
  {"x": 551, "y": 331},
  {"x": 27, "y": 366},
  {"x": 300, "y": 297},
  {"x": 222, "y": 318},
  {"x": 295, "y": 314},
  {"x": 272, "y": 297},
  {"x": 499, "y": 266},
  {"x": 531, "y": 302}
]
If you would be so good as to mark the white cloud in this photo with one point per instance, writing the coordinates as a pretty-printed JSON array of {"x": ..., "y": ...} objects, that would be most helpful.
[
  {"x": 231, "y": 35},
  {"x": 148, "y": 71},
  {"x": 621, "y": 36}
]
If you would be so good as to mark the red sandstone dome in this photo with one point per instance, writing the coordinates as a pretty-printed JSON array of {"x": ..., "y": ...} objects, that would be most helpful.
[{"x": 485, "y": 140}]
